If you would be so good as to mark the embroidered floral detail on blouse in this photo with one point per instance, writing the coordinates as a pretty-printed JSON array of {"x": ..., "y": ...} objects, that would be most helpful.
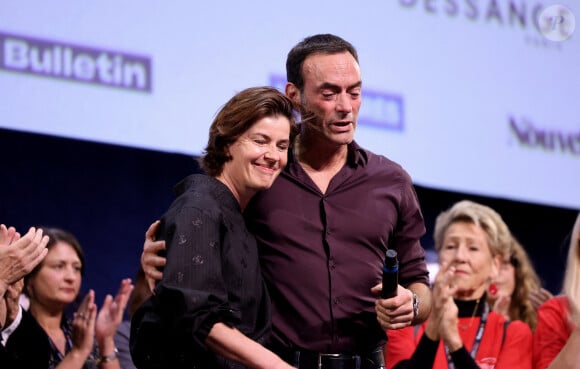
[
  {"x": 197, "y": 260},
  {"x": 197, "y": 222}
]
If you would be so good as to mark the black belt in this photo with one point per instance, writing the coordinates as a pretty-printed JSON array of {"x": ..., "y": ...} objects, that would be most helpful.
[{"x": 317, "y": 360}]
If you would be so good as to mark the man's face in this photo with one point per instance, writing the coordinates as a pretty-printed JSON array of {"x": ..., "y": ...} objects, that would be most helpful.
[{"x": 332, "y": 94}]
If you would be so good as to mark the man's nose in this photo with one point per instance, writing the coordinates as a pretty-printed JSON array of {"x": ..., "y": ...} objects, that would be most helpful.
[{"x": 344, "y": 103}]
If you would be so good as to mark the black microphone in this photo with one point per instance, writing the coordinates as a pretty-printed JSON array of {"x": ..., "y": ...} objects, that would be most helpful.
[{"x": 390, "y": 275}]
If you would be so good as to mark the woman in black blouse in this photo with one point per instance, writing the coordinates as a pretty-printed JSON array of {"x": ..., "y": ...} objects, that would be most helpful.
[{"x": 211, "y": 309}]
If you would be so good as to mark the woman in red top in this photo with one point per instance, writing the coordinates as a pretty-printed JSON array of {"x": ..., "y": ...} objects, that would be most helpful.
[
  {"x": 516, "y": 291},
  {"x": 557, "y": 335},
  {"x": 462, "y": 331}
]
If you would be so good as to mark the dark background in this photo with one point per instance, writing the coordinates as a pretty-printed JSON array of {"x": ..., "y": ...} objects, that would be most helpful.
[{"x": 108, "y": 196}]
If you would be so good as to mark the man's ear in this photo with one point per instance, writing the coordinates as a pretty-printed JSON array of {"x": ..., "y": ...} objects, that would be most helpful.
[{"x": 293, "y": 93}]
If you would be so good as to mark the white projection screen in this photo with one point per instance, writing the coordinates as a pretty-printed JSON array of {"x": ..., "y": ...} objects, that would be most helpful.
[{"x": 473, "y": 96}]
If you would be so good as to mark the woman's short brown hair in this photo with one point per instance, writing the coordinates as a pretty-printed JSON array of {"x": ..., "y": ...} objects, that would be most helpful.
[{"x": 239, "y": 114}]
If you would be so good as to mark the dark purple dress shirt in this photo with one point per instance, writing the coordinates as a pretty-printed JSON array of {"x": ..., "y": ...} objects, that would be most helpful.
[{"x": 321, "y": 253}]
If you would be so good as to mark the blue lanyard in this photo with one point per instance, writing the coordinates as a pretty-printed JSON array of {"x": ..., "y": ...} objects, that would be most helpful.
[{"x": 477, "y": 341}]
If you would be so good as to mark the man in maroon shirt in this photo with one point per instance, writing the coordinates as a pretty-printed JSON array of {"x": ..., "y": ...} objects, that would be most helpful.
[{"x": 324, "y": 226}]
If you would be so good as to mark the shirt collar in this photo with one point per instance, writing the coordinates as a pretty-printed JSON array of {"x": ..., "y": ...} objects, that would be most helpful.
[{"x": 355, "y": 156}]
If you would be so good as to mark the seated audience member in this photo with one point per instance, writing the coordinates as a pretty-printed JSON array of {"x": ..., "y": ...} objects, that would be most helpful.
[
  {"x": 45, "y": 338},
  {"x": 557, "y": 335},
  {"x": 509, "y": 293},
  {"x": 211, "y": 308},
  {"x": 140, "y": 293},
  {"x": 462, "y": 331}
]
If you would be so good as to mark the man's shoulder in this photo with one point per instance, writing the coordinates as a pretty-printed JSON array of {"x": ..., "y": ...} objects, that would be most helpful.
[
  {"x": 377, "y": 164},
  {"x": 373, "y": 158}
]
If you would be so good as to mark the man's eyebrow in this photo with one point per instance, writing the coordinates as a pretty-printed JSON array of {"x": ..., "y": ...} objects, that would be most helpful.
[
  {"x": 356, "y": 85},
  {"x": 332, "y": 86}
]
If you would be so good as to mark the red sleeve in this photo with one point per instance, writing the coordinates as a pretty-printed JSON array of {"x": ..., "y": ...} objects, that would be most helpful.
[
  {"x": 516, "y": 351},
  {"x": 400, "y": 346},
  {"x": 552, "y": 331}
]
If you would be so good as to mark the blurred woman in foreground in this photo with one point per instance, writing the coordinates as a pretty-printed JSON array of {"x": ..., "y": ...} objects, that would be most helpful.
[{"x": 557, "y": 336}]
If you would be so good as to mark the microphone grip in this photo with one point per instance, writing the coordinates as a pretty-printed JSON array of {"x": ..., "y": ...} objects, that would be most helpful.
[{"x": 390, "y": 275}]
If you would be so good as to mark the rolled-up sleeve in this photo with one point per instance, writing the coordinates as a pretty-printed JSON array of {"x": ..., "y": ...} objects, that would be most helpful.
[
  {"x": 192, "y": 296},
  {"x": 406, "y": 238}
]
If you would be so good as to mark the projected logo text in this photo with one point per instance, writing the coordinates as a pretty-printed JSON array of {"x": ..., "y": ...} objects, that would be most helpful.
[
  {"x": 77, "y": 63},
  {"x": 510, "y": 12},
  {"x": 378, "y": 109},
  {"x": 553, "y": 140},
  {"x": 515, "y": 14}
]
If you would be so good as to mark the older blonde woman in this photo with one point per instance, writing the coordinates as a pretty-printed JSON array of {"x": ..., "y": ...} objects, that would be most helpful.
[
  {"x": 557, "y": 335},
  {"x": 462, "y": 331}
]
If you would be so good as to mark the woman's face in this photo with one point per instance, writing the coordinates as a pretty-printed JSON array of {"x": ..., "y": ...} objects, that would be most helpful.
[
  {"x": 465, "y": 246},
  {"x": 259, "y": 154},
  {"x": 58, "y": 280},
  {"x": 505, "y": 282}
]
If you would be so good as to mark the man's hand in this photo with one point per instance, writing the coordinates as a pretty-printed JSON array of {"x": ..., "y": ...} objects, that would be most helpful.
[
  {"x": 19, "y": 255},
  {"x": 395, "y": 312},
  {"x": 150, "y": 261},
  {"x": 538, "y": 297}
]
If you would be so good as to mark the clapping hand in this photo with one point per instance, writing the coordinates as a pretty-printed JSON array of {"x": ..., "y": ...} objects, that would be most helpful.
[
  {"x": 111, "y": 313},
  {"x": 19, "y": 255},
  {"x": 538, "y": 297},
  {"x": 83, "y": 325}
]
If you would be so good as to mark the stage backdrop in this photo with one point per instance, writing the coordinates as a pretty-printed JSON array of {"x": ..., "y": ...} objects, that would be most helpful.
[{"x": 471, "y": 96}]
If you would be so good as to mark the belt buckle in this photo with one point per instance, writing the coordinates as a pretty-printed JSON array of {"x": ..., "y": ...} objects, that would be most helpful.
[{"x": 320, "y": 356}]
